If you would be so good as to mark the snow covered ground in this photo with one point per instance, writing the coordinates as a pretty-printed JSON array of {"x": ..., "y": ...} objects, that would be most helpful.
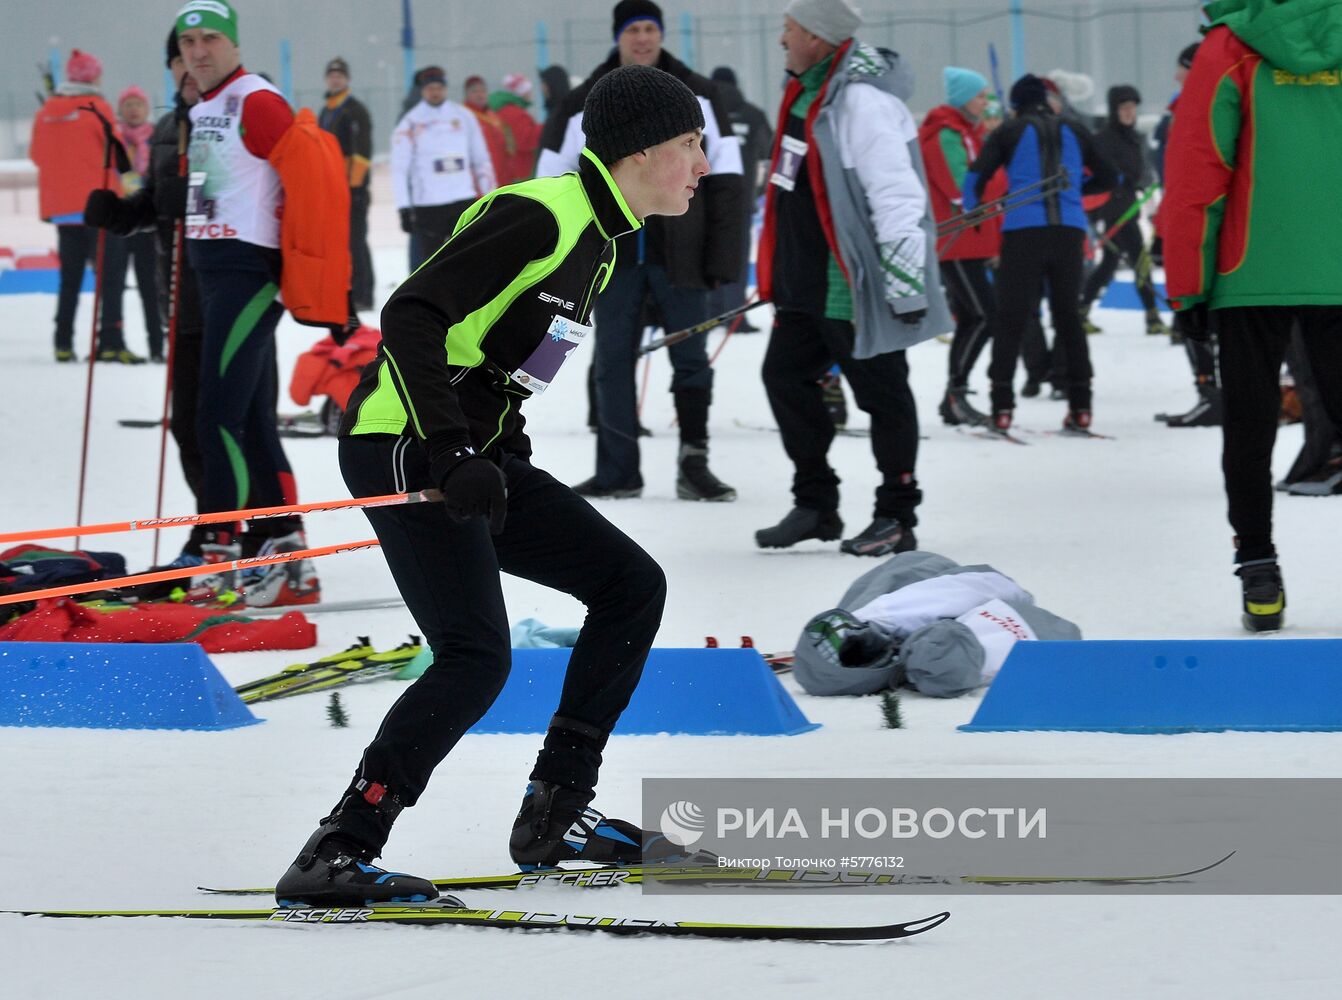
[{"x": 1127, "y": 537}]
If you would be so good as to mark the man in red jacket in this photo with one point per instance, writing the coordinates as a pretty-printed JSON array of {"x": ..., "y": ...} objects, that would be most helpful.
[
  {"x": 69, "y": 146},
  {"x": 950, "y": 138}
]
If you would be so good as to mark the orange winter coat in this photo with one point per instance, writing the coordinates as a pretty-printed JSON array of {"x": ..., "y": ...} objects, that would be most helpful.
[
  {"x": 314, "y": 230},
  {"x": 68, "y": 149}
]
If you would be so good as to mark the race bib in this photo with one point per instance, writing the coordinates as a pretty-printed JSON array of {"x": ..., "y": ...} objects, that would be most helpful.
[
  {"x": 997, "y": 627},
  {"x": 449, "y": 164},
  {"x": 199, "y": 209},
  {"x": 560, "y": 340},
  {"x": 791, "y": 156}
]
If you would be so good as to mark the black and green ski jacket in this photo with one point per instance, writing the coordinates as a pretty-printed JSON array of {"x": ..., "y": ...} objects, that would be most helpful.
[{"x": 479, "y": 307}]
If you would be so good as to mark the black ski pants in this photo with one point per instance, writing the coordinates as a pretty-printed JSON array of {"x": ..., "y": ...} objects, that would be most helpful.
[
  {"x": 1252, "y": 345},
  {"x": 802, "y": 348},
  {"x": 1035, "y": 259},
  {"x": 972, "y": 300},
  {"x": 77, "y": 246},
  {"x": 448, "y": 573},
  {"x": 140, "y": 251},
  {"x": 361, "y": 282}
]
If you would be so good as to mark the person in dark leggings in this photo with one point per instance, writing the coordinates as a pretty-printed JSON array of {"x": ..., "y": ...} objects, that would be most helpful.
[
  {"x": 1245, "y": 248},
  {"x": 512, "y": 289},
  {"x": 1042, "y": 241}
]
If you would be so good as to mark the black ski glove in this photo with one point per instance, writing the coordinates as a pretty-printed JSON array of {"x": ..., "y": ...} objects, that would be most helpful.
[
  {"x": 170, "y": 197},
  {"x": 472, "y": 486},
  {"x": 101, "y": 208},
  {"x": 1194, "y": 322},
  {"x": 407, "y": 220}
]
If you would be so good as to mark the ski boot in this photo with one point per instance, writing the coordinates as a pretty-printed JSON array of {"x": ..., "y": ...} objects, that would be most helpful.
[
  {"x": 956, "y": 409},
  {"x": 1001, "y": 422},
  {"x": 883, "y": 537},
  {"x": 801, "y": 523},
  {"x": 557, "y": 824},
  {"x": 1206, "y": 412},
  {"x": 65, "y": 354},
  {"x": 695, "y": 480},
  {"x": 120, "y": 356},
  {"x": 1077, "y": 423},
  {"x": 1155, "y": 326},
  {"x": 333, "y": 870},
  {"x": 1086, "y": 323},
  {"x": 1031, "y": 387},
  {"x": 1264, "y": 595},
  {"x": 282, "y": 584}
]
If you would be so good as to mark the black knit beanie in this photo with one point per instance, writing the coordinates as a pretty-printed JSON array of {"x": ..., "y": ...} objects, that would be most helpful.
[
  {"x": 635, "y": 107},
  {"x": 1028, "y": 92},
  {"x": 174, "y": 50},
  {"x": 1186, "y": 56},
  {"x": 627, "y": 11}
]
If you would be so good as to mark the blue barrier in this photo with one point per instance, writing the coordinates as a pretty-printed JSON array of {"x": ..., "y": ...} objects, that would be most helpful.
[
  {"x": 16, "y": 282},
  {"x": 697, "y": 692},
  {"x": 1123, "y": 295},
  {"x": 115, "y": 686},
  {"x": 1167, "y": 686}
]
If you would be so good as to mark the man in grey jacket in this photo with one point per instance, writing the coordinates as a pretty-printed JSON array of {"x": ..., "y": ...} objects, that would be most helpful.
[{"x": 848, "y": 258}]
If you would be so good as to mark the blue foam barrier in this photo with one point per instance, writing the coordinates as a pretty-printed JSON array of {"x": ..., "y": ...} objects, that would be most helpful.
[
  {"x": 1123, "y": 295},
  {"x": 116, "y": 686},
  {"x": 695, "y": 692},
  {"x": 1167, "y": 686}
]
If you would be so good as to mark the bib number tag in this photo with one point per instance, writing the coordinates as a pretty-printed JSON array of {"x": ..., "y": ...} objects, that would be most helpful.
[
  {"x": 199, "y": 209},
  {"x": 449, "y": 164},
  {"x": 791, "y": 156},
  {"x": 560, "y": 340}
]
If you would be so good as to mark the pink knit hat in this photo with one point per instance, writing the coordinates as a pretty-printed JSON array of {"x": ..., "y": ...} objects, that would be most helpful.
[
  {"x": 516, "y": 83},
  {"x": 83, "y": 68},
  {"x": 133, "y": 91}
]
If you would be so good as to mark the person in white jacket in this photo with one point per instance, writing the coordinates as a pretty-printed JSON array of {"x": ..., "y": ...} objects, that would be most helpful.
[
  {"x": 848, "y": 259},
  {"x": 439, "y": 165}
]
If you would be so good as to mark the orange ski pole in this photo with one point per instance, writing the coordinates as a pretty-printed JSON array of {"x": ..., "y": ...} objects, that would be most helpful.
[
  {"x": 186, "y": 571},
  {"x": 254, "y": 514}
]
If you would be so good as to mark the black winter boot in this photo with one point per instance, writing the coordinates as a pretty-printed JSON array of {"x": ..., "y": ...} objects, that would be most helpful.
[
  {"x": 799, "y": 524},
  {"x": 955, "y": 408},
  {"x": 332, "y": 869},
  {"x": 1264, "y": 595},
  {"x": 695, "y": 480}
]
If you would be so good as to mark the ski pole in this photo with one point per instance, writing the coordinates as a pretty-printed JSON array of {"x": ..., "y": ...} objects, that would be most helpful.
[
  {"x": 217, "y": 517},
  {"x": 205, "y": 569},
  {"x": 1018, "y": 198},
  {"x": 1130, "y": 214},
  {"x": 174, "y": 308},
  {"x": 690, "y": 331}
]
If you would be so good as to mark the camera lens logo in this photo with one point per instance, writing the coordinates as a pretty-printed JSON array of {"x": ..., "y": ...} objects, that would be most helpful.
[{"x": 682, "y": 823}]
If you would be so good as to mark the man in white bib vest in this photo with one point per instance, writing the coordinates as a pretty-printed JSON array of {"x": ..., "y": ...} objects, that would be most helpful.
[{"x": 234, "y": 202}]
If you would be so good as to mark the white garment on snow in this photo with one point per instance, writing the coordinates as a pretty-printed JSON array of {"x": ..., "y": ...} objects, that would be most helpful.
[
  {"x": 723, "y": 157},
  {"x": 909, "y": 608},
  {"x": 997, "y": 626},
  {"x": 439, "y": 156}
]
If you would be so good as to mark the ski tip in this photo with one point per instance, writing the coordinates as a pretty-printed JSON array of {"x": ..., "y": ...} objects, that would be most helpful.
[{"x": 927, "y": 923}]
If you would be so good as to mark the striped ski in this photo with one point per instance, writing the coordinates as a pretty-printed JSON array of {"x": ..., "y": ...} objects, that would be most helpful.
[{"x": 439, "y": 915}]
